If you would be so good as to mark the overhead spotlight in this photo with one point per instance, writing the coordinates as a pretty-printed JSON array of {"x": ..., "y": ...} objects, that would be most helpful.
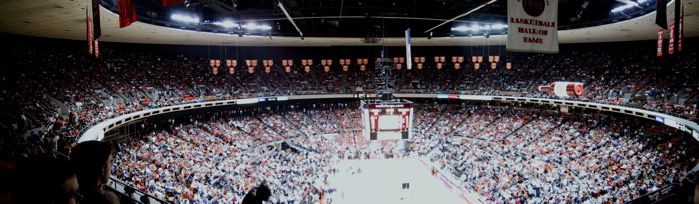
[
  {"x": 184, "y": 18},
  {"x": 627, "y": 5},
  {"x": 461, "y": 28},
  {"x": 225, "y": 24},
  {"x": 498, "y": 26},
  {"x": 477, "y": 27},
  {"x": 253, "y": 26}
]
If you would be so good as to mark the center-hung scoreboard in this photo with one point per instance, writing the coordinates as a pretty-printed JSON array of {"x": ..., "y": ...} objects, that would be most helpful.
[{"x": 387, "y": 119}]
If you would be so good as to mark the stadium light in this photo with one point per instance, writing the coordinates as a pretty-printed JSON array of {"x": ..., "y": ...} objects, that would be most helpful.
[
  {"x": 627, "y": 5},
  {"x": 184, "y": 18},
  {"x": 253, "y": 26},
  {"x": 226, "y": 24},
  {"x": 460, "y": 28},
  {"x": 498, "y": 26},
  {"x": 476, "y": 27}
]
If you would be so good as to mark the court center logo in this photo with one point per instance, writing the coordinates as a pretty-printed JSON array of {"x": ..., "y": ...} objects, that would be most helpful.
[{"x": 534, "y": 8}]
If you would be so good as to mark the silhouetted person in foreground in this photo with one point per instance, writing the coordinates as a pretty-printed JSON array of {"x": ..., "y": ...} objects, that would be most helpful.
[
  {"x": 257, "y": 195},
  {"x": 45, "y": 181},
  {"x": 93, "y": 160}
]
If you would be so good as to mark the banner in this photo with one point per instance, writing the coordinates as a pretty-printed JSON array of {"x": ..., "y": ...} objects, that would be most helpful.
[
  {"x": 532, "y": 26},
  {"x": 167, "y": 3},
  {"x": 676, "y": 31},
  {"x": 88, "y": 22},
  {"x": 408, "y": 53},
  {"x": 96, "y": 28},
  {"x": 681, "y": 33},
  {"x": 671, "y": 44},
  {"x": 127, "y": 13},
  {"x": 661, "y": 13},
  {"x": 97, "y": 48},
  {"x": 660, "y": 42}
]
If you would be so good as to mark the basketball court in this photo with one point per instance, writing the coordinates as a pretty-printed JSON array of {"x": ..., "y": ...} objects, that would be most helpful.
[{"x": 383, "y": 181}]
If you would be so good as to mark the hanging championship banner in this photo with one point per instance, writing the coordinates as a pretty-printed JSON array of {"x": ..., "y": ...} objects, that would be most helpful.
[
  {"x": 671, "y": 44},
  {"x": 97, "y": 48},
  {"x": 679, "y": 35},
  {"x": 677, "y": 27},
  {"x": 660, "y": 42},
  {"x": 96, "y": 28},
  {"x": 532, "y": 26},
  {"x": 408, "y": 53},
  {"x": 90, "y": 39}
]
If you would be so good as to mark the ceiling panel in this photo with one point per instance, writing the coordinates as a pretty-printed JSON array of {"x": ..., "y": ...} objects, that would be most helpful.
[{"x": 63, "y": 19}]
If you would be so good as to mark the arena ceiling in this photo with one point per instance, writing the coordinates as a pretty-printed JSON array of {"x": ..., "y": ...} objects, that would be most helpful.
[{"x": 328, "y": 23}]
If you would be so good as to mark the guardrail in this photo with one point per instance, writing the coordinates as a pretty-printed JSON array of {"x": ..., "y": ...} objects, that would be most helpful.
[
  {"x": 119, "y": 186},
  {"x": 455, "y": 183},
  {"x": 97, "y": 131}
]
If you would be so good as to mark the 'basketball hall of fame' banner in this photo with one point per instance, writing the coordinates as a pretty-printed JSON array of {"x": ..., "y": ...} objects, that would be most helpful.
[{"x": 532, "y": 26}]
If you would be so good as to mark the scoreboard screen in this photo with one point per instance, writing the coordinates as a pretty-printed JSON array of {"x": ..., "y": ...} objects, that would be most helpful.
[{"x": 387, "y": 119}]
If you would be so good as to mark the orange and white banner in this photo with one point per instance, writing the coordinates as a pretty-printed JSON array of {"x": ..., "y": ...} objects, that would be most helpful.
[
  {"x": 532, "y": 26},
  {"x": 679, "y": 41},
  {"x": 671, "y": 44},
  {"x": 679, "y": 35},
  {"x": 97, "y": 48},
  {"x": 660, "y": 42},
  {"x": 90, "y": 39}
]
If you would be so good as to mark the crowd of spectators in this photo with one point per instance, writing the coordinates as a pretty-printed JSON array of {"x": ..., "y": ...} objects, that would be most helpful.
[
  {"x": 222, "y": 159},
  {"x": 49, "y": 96},
  {"x": 423, "y": 138},
  {"x": 53, "y": 94},
  {"x": 518, "y": 154},
  {"x": 545, "y": 157}
]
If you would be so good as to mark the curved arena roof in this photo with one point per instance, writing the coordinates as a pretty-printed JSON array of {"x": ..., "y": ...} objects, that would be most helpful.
[{"x": 65, "y": 19}]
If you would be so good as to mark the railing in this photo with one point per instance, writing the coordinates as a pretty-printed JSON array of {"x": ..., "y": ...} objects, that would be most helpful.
[
  {"x": 453, "y": 181},
  {"x": 119, "y": 187},
  {"x": 97, "y": 131}
]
